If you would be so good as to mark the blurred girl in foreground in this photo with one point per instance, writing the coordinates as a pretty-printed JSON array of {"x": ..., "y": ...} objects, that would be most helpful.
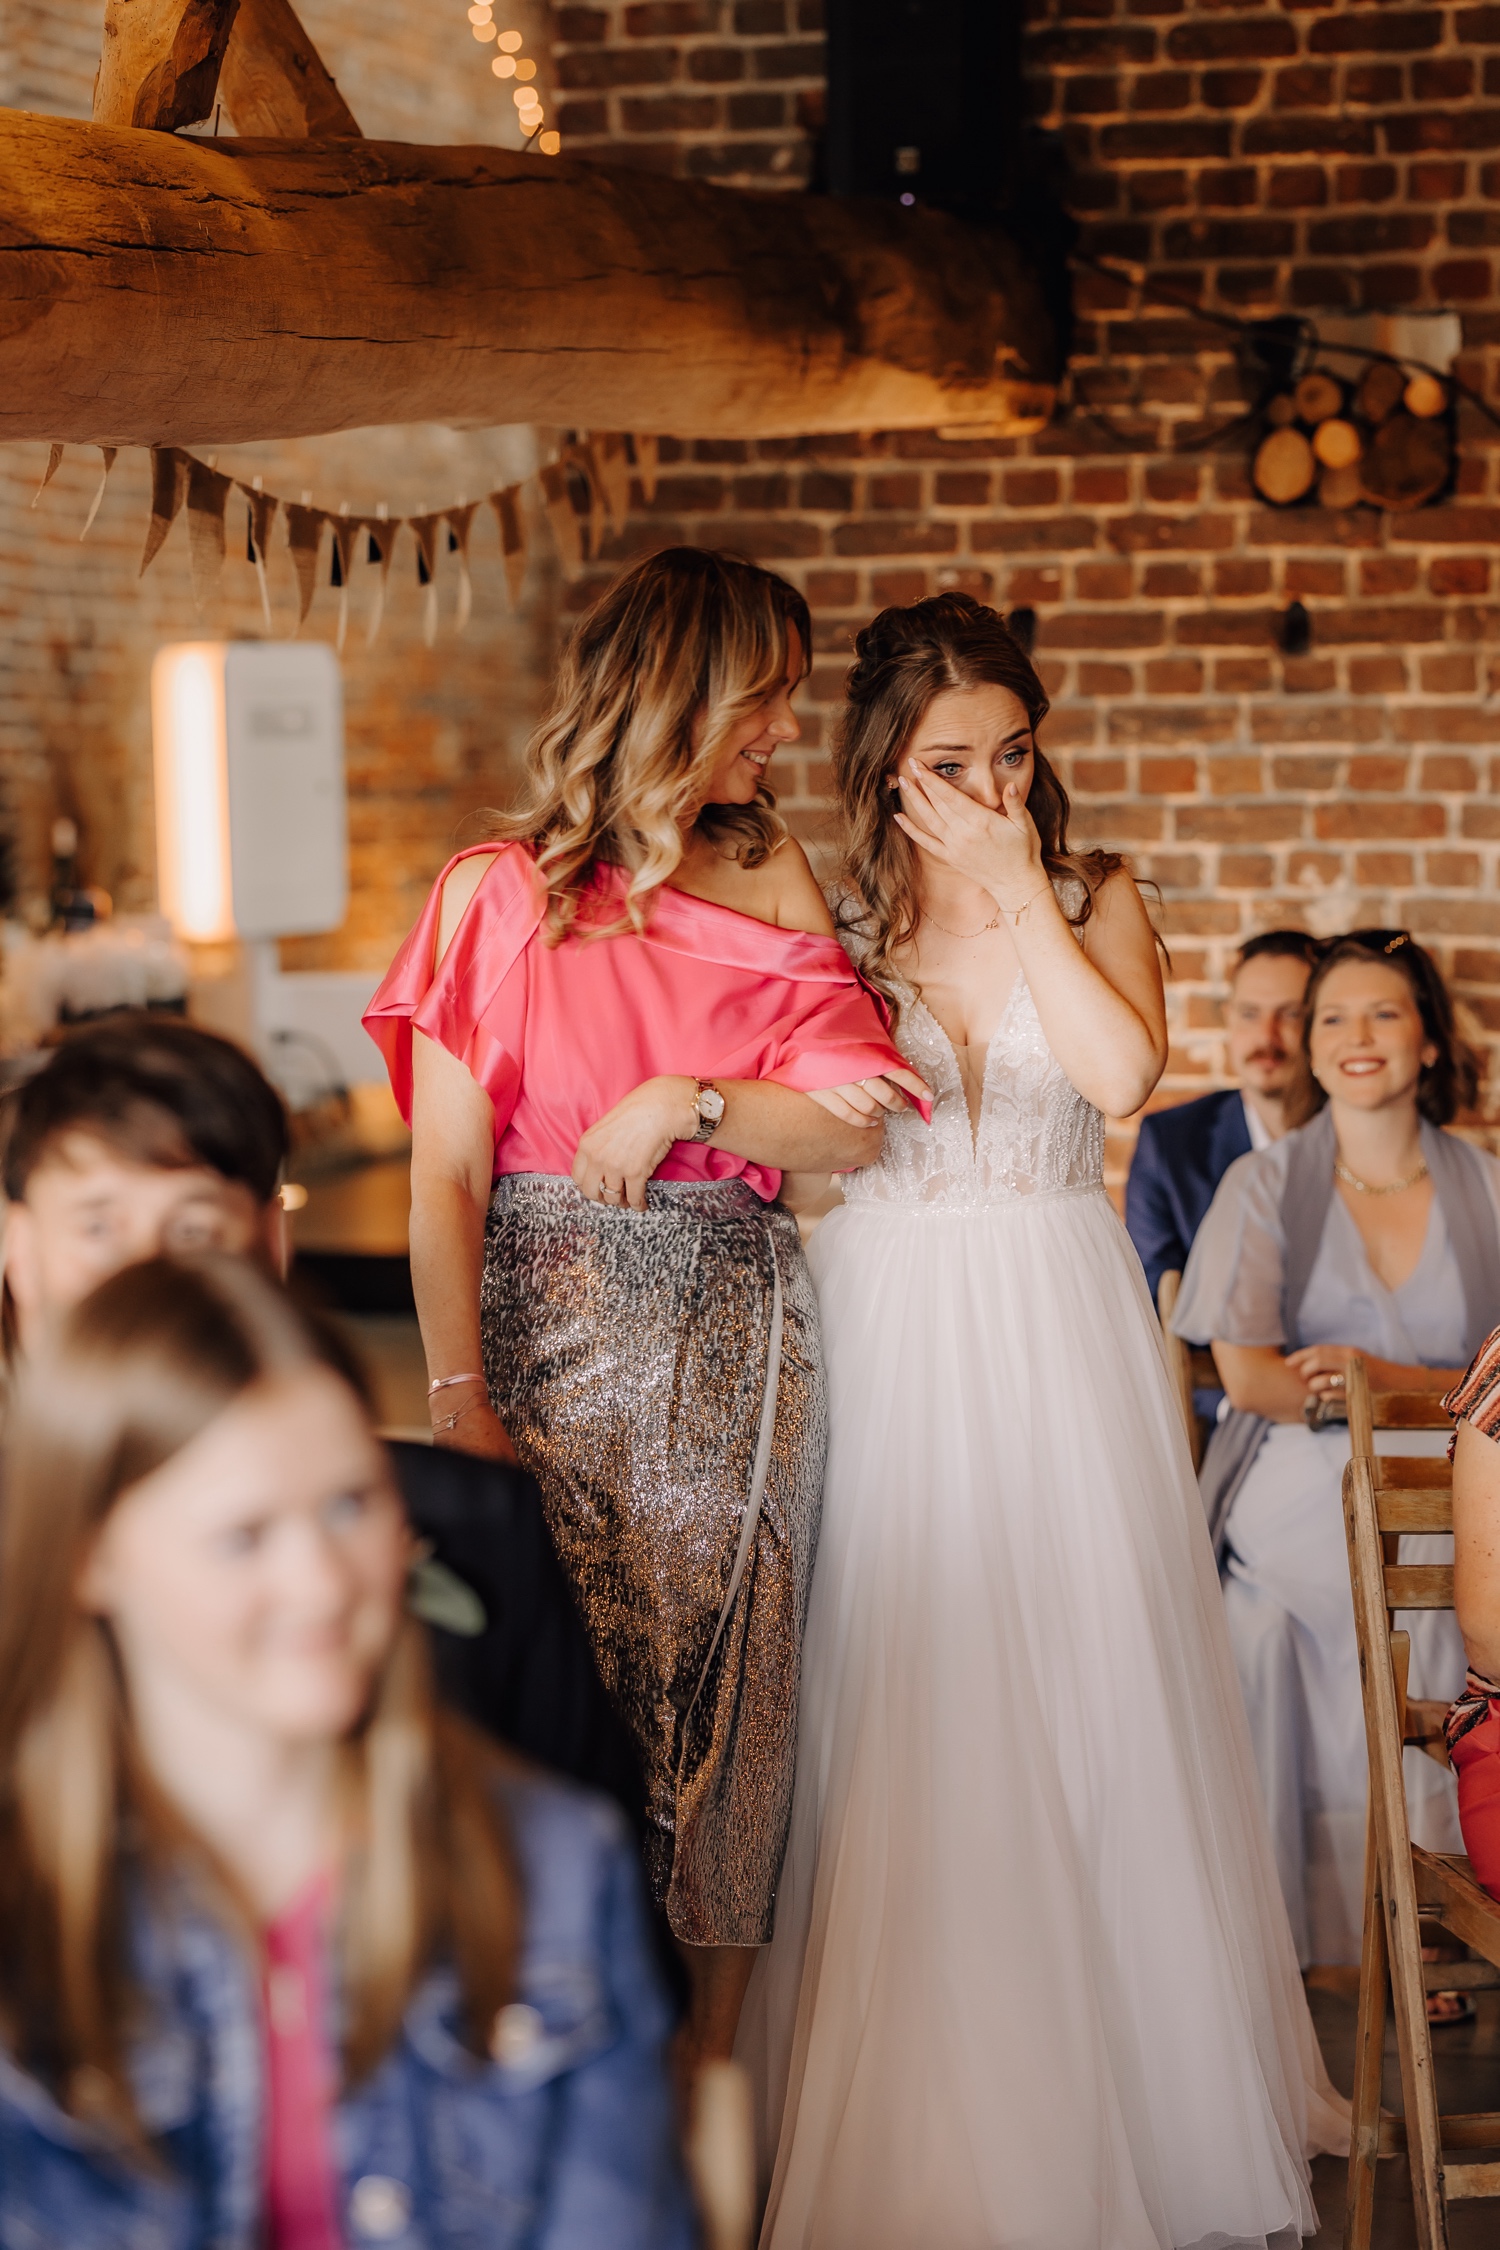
[{"x": 286, "y": 1956}]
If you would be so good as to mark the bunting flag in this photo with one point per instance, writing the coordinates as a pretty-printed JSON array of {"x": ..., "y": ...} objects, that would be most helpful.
[
  {"x": 589, "y": 484},
  {"x": 460, "y": 522},
  {"x": 304, "y": 535},
  {"x": 109, "y": 452},
  {"x": 169, "y": 475},
  {"x": 207, "y": 497}
]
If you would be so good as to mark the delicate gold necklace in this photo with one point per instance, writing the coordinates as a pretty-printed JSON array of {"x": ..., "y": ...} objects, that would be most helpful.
[
  {"x": 1363, "y": 1187},
  {"x": 937, "y": 925}
]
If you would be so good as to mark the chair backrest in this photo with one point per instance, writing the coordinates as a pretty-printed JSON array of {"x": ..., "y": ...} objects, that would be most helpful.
[
  {"x": 1386, "y": 1495},
  {"x": 1190, "y": 1366}
]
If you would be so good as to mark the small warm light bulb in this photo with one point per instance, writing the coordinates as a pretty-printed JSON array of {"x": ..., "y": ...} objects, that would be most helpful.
[
  {"x": 526, "y": 68},
  {"x": 524, "y": 98},
  {"x": 511, "y": 41},
  {"x": 481, "y": 12},
  {"x": 484, "y": 31},
  {"x": 504, "y": 66},
  {"x": 550, "y": 144}
]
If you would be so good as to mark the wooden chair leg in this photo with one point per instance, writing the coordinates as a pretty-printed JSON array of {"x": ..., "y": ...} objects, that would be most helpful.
[
  {"x": 1414, "y": 2044},
  {"x": 1369, "y": 2058}
]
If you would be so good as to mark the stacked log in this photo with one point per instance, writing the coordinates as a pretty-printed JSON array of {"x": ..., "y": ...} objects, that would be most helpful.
[{"x": 1385, "y": 441}]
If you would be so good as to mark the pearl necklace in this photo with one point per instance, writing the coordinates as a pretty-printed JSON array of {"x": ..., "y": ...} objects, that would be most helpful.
[{"x": 1363, "y": 1187}]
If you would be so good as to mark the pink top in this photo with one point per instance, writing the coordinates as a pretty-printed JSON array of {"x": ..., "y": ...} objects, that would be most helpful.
[
  {"x": 301, "y": 2080},
  {"x": 557, "y": 1034}
]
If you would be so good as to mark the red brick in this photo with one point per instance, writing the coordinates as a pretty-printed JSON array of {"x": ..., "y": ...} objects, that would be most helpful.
[
  {"x": 1246, "y": 871},
  {"x": 1166, "y": 581},
  {"x": 1304, "y": 86},
  {"x": 1448, "y": 772},
  {"x": 1227, "y": 628},
  {"x": 1234, "y": 774},
  {"x": 1363, "y": 31},
  {"x": 1351, "y": 821},
  {"x": 1094, "y": 774},
  {"x": 1387, "y": 574},
  {"x": 1314, "y": 870},
  {"x": 1448, "y": 675},
  {"x": 1354, "y": 237},
  {"x": 1079, "y": 47},
  {"x": 716, "y": 66},
  {"x": 1211, "y": 39},
  {"x": 1162, "y": 90},
  {"x": 583, "y": 69},
  {"x": 961, "y": 488},
  {"x": 1151, "y": 724},
  {"x": 1298, "y": 187},
  {"x": 1313, "y": 527},
  {"x": 1141, "y": 534},
  {"x": 1092, "y": 94},
  {"x": 1230, "y": 89},
  {"x": 1469, "y": 127},
  {"x": 1174, "y": 675},
  {"x": 1191, "y": 141},
  {"x": 1377, "y": 675},
  {"x": 1206, "y": 917},
  {"x": 1103, "y": 581},
  {"x": 1238, "y": 824},
  {"x": 902, "y": 490},
  {"x": 756, "y": 113},
  {"x": 826, "y": 489},
  {"x": 1453, "y": 871},
  {"x": 1172, "y": 480},
  {"x": 1471, "y": 966},
  {"x": 1242, "y": 675},
  {"x": 1462, "y": 278},
  {"x": 807, "y": 59},
  {"x": 1168, "y": 777},
  {"x": 1033, "y": 586},
  {"x": 1445, "y": 722},
  {"x": 897, "y": 588},
  {"x": 1242, "y": 574},
  {"x": 1452, "y": 917},
  {"x": 1103, "y": 628},
  {"x": 1182, "y": 871},
  {"x": 1304, "y": 134},
  {"x": 1317, "y": 722},
  {"x": 760, "y": 19},
  {"x": 834, "y": 589},
  {"x": 1105, "y": 679},
  {"x": 1442, "y": 78},
  {"x": 1303, "y": 772},
  {"x": 1157, "y": 191},
  {"x": 1094, "y": 486},
  {"x": 1019, "y": 536},
  {"x": 1379, "y": 770},
  {"x": 668, "y": 19},
  {"x": 1230, "y": 238},
  {"x": 1030, "y": 488},
  {"x": 1432, "y": 182},
  {"x": 580, "y": 26},
  {"x": 1481, "y": 821},
  {"x": 1228, "y": 188},
  {"x": 1375, "y": 623},
  {"x": 1384, "y": 870},
  {"x": 1378, "y": 84}
]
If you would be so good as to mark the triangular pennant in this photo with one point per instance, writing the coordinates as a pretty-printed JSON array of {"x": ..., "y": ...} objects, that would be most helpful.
[
  {"x": 382, "y": 537},
  {"x": 424, "y": 531},
  {"x": 109, "y": 452},
  {"x": 647, "y": 451},
  {"x": 507, "y": 506},
  {"x": 304, "y": 536},
  {"x": 263, "y": 507},
  {"x": 460, "y": 522},
  {"x": 341, "y": 570},
  {"x": 567, "y": 526},
  {"x": 54, "y": 463},
  {"x": 169, "y": 477},
  {"x": 609, "y": 462},
  {"x": 208, "y": 493}
]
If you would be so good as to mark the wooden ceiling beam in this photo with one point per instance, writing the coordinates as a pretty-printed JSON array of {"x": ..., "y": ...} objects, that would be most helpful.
[
  {"x": 159, "y": 65},
  {"x": 274, "y": 82},
  {"x": 160, "y": 290}
]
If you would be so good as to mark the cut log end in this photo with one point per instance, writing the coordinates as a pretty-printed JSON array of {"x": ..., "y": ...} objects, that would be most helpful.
[
  {"x": 1317, "y": 396},
  {"x": 1407, "y": 464},
  {"x": 1285, "y": 468}
]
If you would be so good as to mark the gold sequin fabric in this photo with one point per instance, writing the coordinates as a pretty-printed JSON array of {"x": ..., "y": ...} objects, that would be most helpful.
[{"x": 627, "y": 1354}]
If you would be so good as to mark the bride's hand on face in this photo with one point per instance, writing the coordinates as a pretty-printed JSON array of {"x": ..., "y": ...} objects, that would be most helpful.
[
  {"x": 1001, "y": 850},
  {"x": 868, "y": 1100}
]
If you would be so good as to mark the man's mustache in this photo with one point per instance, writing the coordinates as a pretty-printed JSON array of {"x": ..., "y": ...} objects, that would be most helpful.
[{"x": 1269, "y": 1054}]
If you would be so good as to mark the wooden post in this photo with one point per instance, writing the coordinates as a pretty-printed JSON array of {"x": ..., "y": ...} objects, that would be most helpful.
[
  {"x": 159, "y": 65},
  {"x": 275, "y": 82},
  {"x": 156, "y": 290}
]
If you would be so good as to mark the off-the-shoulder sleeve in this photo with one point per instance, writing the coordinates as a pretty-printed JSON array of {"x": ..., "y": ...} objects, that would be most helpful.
[
  {"x": 839, "y": 1035},
  {"x": 1232, "y": 1291},
  {"x": 472, "y": 1004}
]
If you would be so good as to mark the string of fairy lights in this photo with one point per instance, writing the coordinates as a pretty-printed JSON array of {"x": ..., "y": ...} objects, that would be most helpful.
[{"x": 512, "y": 62}]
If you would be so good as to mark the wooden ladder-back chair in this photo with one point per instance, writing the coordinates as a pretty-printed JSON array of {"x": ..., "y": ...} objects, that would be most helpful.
[
  {"x": 1191, "y": 1366},
  {"x": 1384, "y": 1496}
]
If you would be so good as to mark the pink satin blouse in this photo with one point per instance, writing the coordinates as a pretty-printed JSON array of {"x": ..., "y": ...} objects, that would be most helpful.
[{"x": 557, "y": 1034}]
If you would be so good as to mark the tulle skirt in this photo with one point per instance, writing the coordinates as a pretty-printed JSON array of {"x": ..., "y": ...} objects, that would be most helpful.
[{"x": 1032, "y": 1983}]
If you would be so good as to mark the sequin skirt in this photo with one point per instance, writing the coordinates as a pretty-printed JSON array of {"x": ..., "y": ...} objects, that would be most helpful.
[{"x": 660, "y": 1374}]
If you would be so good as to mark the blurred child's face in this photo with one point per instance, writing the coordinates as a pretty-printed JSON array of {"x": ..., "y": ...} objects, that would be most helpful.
[
  {"x": 255, "y": 1581},
  {"x": 88, "y": 1211}
]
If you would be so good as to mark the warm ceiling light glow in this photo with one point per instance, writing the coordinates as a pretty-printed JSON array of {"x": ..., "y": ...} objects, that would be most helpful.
[
  {"x": 550, "y": 144},
  {"x": 481, "y": 12},
  {"x": 526, "y": 68},
  {"x": 524, "y": 98},
  {"x": 511, "y": 41},
  {"x": 192, "y": 790},
  {"x": 484, "y": 31},
  {"x": 504, "y": 66}
]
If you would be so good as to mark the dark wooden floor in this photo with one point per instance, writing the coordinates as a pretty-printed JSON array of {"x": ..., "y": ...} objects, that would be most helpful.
[{"x": 1468, "y": 2068}]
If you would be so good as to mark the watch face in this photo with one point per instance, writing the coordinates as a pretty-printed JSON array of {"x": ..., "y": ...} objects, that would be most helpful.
[{"x": 711, "y": 1106}]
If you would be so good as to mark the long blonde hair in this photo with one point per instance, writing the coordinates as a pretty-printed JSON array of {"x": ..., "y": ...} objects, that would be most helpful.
[
  {"x": 139, "y": 1369},
  {"x": 613, "y": 775},
  {"x": 904, "y": 658}
]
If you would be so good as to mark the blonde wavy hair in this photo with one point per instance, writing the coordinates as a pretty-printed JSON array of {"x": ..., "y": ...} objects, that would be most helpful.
[
  {"x": 686, "y": 642},
  {"x": 135, "y": 1372}
]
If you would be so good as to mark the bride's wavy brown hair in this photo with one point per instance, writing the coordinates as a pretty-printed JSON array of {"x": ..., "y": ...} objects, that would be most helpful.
[
  {"x": 903, "y": 658},
  {"x": 613, "y": 773}
]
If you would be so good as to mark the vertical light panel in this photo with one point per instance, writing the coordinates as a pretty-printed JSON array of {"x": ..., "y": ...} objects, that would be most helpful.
[{"x": 192, "y": 790}]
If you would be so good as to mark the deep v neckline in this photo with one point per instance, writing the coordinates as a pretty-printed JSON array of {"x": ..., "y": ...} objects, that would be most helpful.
[{"x": 975, "y": 1124}]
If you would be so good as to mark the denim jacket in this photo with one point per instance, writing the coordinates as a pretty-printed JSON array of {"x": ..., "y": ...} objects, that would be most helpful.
[{"x": 567, "y": 2143}]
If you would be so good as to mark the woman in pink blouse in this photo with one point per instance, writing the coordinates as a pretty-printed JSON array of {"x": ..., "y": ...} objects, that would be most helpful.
[{"x": 605, "y": 1030}]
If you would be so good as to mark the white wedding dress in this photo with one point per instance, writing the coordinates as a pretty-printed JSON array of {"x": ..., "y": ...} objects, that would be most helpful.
[{"x": 1032, "y": 1985}]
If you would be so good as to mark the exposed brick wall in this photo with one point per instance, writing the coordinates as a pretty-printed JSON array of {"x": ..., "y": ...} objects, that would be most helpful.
[{"x": 1258, "y": 160}]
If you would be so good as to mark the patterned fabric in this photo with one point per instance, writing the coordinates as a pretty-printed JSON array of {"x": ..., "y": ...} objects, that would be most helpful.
[
  {"x": 1476, "y": 1398},
  {"x": 1472, "y": 1708},
  {"x": 661, "y": 1375}
]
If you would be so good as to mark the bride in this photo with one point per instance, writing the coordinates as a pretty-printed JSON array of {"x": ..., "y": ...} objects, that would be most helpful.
[{"x": 1032, "y": 1982}]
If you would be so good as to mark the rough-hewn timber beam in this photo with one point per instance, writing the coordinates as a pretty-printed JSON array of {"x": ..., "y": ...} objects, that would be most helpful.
[
  {"x": 274, "y": 80},
  {"x": 158, "y": 290}
]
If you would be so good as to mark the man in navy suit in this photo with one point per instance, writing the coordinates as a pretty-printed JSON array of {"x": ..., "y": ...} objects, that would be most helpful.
[{"x": 1182, "y": 1154}]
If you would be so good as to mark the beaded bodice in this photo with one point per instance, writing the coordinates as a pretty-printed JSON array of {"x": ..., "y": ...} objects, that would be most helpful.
[{"x": 1036, "y": 1135}]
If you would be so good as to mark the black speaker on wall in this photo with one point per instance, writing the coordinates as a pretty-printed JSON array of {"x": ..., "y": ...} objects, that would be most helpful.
[{"x": 924, "y": 101}]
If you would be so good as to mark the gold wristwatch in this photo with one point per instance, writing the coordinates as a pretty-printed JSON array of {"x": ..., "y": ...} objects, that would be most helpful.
[{"x": 709, "y": 1103}]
